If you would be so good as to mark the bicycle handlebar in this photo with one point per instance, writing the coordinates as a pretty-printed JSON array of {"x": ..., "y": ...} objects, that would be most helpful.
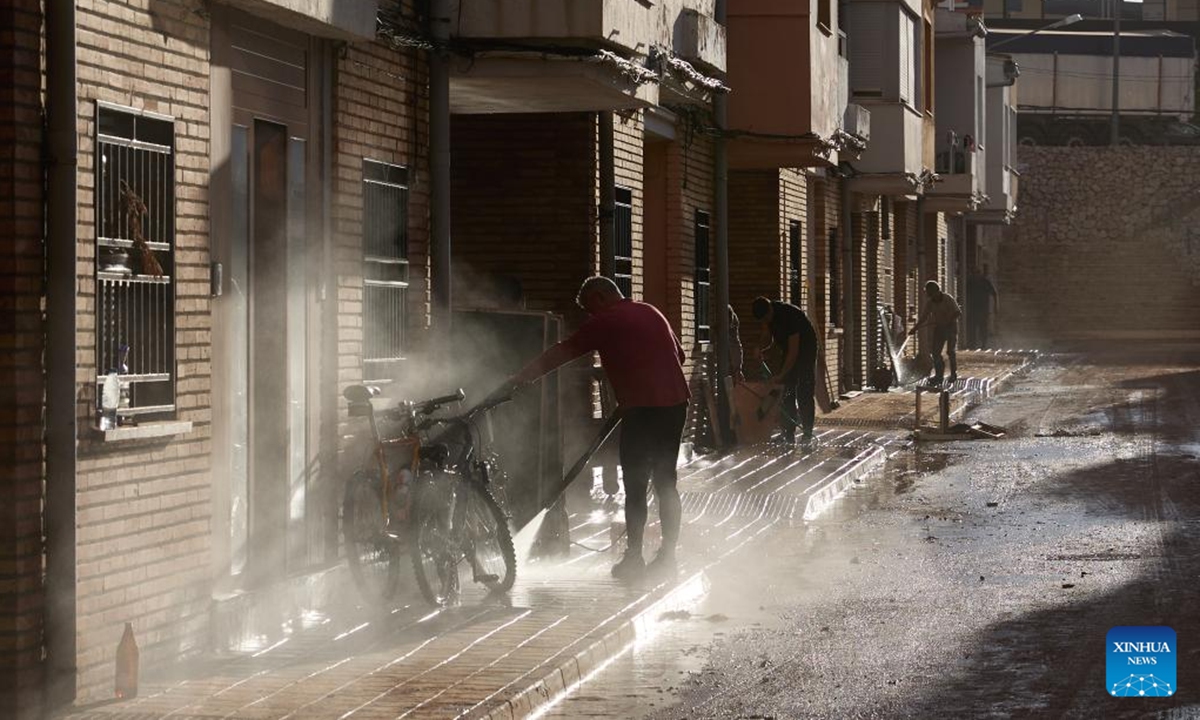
[{"x": 432, "y": 404}]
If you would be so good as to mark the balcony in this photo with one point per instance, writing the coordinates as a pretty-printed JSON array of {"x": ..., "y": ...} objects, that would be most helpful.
[
  {"x": 894, "y": 161},
  {"x": 891, "y": 64},
  {"x": 786, "y": 65},
  {"x": 959, "y": 89},
  {"x": 1001, "y": 135},
  {"x": 340, "y": 19},
  {"x": 958, "y": 184},
  {"x": 578, "y": 55}
]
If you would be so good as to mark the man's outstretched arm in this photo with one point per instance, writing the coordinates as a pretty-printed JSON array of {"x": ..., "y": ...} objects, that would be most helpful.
[{"x": 560, "y": 354}]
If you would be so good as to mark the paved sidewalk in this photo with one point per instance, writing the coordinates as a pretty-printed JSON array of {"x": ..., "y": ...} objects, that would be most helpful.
[
  {"x": 982, "y": 374},
  {"x": 567, "y": 618}
]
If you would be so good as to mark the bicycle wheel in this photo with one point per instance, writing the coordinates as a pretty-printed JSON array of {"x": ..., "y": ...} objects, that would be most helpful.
[
  {"x": 460, "y": 532},
  {"x": 373, "y": 555}
]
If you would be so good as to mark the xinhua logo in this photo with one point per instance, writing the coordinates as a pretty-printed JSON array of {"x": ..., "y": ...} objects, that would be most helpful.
[{"x": 1141, "y": 661}]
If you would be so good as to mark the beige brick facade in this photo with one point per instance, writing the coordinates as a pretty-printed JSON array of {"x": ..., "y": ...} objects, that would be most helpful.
[{"x": 144, "y": 507}]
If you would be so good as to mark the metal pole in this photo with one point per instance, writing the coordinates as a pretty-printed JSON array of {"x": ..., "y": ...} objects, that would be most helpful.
[
  {"x": 721, "y": 201},
  {"x": 60, "y": 422},
  {"x": 1115, "y": 134},
  {"x": 849, "y": 288},
  {"x": 921, "y": 275},
  {"x": 608, "y": 197},
  {"x": 439, "y": 171}
]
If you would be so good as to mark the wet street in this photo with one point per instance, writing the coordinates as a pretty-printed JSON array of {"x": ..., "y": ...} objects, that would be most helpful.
[{"x": 969, "y": 579}]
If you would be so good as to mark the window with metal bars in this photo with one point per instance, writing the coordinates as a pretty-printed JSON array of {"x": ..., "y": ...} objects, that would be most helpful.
[
  {"x": 385, "y": 266},
  {"x": 795, "y": 280},
  {"x": 135, "y": 248},
  {"x": 623, "y": 237},
  {"x": 703, "y": 328}
]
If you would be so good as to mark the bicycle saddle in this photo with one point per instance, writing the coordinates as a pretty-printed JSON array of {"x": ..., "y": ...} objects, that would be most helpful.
[{"x": 361, "y": 393}]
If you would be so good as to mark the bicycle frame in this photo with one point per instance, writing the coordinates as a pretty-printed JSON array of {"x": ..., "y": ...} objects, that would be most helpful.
[{"x": 360, "y": 397}]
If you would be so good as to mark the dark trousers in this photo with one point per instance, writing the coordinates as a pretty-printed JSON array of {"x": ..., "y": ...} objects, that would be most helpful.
[
  {"x": 945, "y": 336},
  {"x": 650, "y": 439},
  {"x": 799, "y": 404}
]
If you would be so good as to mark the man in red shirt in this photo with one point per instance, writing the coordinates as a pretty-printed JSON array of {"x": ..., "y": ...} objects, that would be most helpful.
[{"x": 644, "y": 363}]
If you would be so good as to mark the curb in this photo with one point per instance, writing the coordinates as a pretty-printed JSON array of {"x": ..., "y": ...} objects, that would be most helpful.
[
  {"x": 573, "y": 671},
  {"x": 564, "y": 676},
  {"x": 853, "y": 470}
]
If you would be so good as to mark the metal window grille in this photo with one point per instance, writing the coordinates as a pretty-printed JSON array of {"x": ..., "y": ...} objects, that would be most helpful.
[
  {"x": 702, "y": 277},
  {"x": 623, "y": 231},
  {"x": 795, "y": 284},
  {"x": 385, "y": 265},
  {"x": 135, "y": 242}
]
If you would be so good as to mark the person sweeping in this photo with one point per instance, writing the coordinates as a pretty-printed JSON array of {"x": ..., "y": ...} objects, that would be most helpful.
[{"x": 644, "y": 362}]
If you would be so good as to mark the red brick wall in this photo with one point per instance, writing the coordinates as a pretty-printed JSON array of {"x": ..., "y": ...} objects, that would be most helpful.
[
  {"x": 144, "y": 507},
  {"x": 1104, "y": 245},
  {"x": 21, "y": 380},
  {"x": 525, "y": 204},
  {"x": 754, "y": 257}
]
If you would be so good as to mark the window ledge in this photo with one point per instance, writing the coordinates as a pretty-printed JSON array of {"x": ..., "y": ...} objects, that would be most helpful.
[{"x": 144, "y": 432}]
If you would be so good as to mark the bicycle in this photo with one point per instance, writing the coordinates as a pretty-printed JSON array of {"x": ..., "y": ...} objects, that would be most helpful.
[{"x": 430, "y": 493}]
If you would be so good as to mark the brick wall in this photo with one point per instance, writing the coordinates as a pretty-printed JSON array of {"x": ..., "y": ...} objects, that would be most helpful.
[
  {"x": 381, "y": 114},
  {"x": 690, "y": 188},
  {"x": 1105, "y": 244},
  {"x": 628, "y": 133},
  {"x": 144, "y": 507},
  {"x": 754, "y": 254},
  {"x": 21, "y": 381},
  {"x": 793, "y": 207},
  {"x": 826, "y": 199},
  {"x": 524, "y": 203}
]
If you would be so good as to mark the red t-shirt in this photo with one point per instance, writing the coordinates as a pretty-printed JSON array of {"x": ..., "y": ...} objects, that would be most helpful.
[{"x": 640, "y": 353}]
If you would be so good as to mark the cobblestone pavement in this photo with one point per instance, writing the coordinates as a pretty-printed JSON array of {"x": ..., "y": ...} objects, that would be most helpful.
[{"x": 565, "y": 619}]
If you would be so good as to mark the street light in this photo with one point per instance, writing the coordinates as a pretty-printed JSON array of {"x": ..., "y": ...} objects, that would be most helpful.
[{"x": 1068, "y": 20}]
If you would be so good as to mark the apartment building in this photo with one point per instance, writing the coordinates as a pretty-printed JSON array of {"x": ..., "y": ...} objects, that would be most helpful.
[
  {"x": 790, "y": 124},
  {"x": 221, "y": 180},
  {"x": 582, "y": 143},
  {"x": 250, "y": 205}
]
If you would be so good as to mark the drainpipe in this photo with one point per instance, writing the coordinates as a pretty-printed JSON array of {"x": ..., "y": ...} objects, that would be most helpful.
[
  {"x": 439, "y": 171},
  {"x": 916, "y": 301},
  {"x": 60, "y": 427},
  {"x": 721, "y": 261},
  {"x": 608, "y": 197},
  {"x": 849, "y": 321}
]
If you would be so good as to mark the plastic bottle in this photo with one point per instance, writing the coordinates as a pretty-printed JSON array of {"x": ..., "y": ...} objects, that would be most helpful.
[
  {"x": 110, "y": 400},
  {"x": 127, "y": 665}
]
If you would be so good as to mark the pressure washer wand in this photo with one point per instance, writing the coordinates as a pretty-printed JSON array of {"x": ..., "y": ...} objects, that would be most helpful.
[{"x": 609, "y": 426}]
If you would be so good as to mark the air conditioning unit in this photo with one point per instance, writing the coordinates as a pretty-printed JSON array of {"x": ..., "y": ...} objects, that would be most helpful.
[{"x": 857, "y": 121}]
